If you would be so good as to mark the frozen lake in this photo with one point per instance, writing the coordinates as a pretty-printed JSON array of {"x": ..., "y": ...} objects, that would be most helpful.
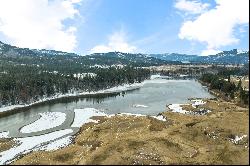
[{"x": 150, "y": 99}]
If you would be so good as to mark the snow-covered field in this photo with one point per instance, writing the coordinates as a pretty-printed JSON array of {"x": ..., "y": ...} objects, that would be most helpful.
[{"x": 48, "y": 120}]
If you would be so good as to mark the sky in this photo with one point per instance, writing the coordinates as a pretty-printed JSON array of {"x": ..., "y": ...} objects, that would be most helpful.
[{"x": 202, "y": 27}]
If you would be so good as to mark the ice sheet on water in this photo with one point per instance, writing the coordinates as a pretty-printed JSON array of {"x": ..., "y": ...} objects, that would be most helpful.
[{"x": 48, "y": 120}]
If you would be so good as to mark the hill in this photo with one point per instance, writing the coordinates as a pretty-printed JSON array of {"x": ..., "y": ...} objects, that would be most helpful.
[{"x": 48, "y": 58}]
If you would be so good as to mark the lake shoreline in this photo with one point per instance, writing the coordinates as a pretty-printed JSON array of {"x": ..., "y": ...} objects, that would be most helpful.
[{"x": 114, "y": 91}]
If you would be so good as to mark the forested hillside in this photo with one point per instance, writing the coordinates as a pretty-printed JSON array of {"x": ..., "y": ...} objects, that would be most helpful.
[
  {"x": 227, "y": 89},
  {"x": 26, "y": 84},
  {"x": 29, "y": 75}
]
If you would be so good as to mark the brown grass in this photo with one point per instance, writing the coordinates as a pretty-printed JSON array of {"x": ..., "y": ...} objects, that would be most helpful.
[{"x": 182, "y": 139}]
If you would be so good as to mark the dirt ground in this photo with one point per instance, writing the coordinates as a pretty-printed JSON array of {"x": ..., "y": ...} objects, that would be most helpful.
[
  {"x": 182, "y": 139},
  {"x": 5, "y": 144}
]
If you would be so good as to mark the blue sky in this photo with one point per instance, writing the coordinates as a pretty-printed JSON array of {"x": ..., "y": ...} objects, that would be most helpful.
[{"x": 146, "y": 26}]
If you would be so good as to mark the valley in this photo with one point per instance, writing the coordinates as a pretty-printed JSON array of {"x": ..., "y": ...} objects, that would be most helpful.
[{"x": 120, "y": 108}]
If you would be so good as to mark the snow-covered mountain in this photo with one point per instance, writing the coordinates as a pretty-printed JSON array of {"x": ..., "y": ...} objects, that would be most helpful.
[{"x": 226, "y": 57}]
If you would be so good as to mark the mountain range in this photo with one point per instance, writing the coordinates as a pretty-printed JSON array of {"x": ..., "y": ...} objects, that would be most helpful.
[
  {"x": 13, "y": 54},
  {"x": 225, "y": 57}
]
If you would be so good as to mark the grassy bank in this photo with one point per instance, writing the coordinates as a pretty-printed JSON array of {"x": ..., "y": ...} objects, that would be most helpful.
[{"x": 182, "y": 139}]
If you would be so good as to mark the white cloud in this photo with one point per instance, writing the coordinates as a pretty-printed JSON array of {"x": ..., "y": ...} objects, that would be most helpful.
[
  {"x": 209, "y": 52},
  {"x": 216, "y": 27},
  {"x": 117, "y": 42},
  {"x": 39, "y": 23},
  {"x": 191, "y": 6}
]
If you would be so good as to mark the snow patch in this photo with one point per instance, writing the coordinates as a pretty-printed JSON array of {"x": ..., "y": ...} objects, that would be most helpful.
[
  {"x": 155, "y": 76},
  {"x": 83, "y": 116},
  {"x": 11, "y": 107},
  {"x": 237, "y": 139},
  {"x": 129, "y": 114},
  {"x": 196, "y": 103},
  {"x": 48, "y": 120},
  {"x": 177, "y": 108},
  {"x": 159, "y": 117},
  {"x": 82, "y": 75},
  {"x": 139, "y": 106},
  {"x": 4, "y": 134},
  {"x": 25, "y": 145},
  {"x": 57, "y": 144},
  {"x": 124, "y": 87},
  {"x": 163, "y": 81},
  {"x": 199, "y": 112}
]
